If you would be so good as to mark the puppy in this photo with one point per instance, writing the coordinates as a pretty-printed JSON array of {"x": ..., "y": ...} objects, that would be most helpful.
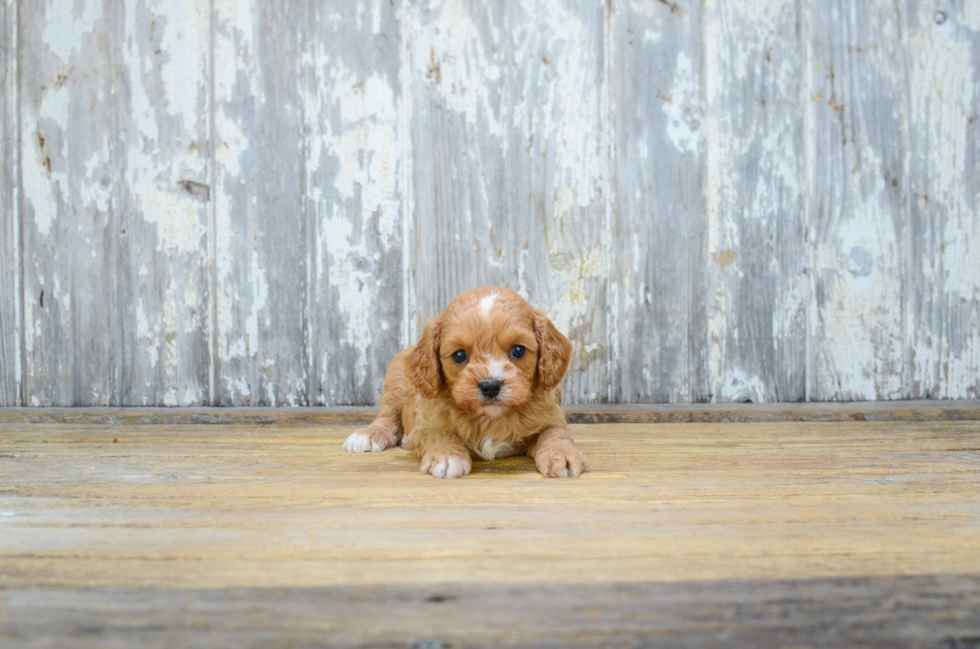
[{"x": 485, "y": 378}]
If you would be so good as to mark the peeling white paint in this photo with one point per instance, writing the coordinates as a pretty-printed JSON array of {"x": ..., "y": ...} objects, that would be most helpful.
[
  {"x": 184, "y": 39},
  {"x": 260, "y": 293},
  {"x": 65, "y": 29},
  {"x": 946, "y": 359},
  {"x": 180, "y": 223},
  {"x": 448, "y": 51},
  {"x": 513, "y": 90},
  {"x": 569, "y": 310},
  {"x": 683, "y": 109},
  {"x": 351, "y": 283},
  {"x": 38, "y": 188}
]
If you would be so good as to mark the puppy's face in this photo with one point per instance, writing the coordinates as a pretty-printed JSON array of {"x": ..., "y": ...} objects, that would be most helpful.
[{"x": 489, "y": 352}]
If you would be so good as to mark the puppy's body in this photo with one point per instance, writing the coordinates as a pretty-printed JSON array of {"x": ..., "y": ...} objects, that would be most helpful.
[{"x": 484, "y": 379}]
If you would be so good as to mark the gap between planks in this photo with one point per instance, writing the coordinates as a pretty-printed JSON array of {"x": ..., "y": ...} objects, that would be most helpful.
[{"x": 956, "y": 410}]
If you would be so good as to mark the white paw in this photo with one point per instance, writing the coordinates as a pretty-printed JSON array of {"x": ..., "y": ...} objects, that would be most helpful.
[
  {"x": 446, "y": 466},
  {"x": 358, "y": 442}
]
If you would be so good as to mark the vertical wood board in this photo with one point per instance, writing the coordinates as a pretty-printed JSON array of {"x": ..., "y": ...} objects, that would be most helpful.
[
  {"x": 756, "y": 214},
  {"x": 354, "y": 198},
  {"x": 112, "y": 145},
  {"x": 9, "y": 230},
  {"x": 857, "y": 206},
  {"x": 943, "y": 293},
  {"x": 510, "y": 168},
  {"x": 657, "y": 293},
  {"x": 260, "y": 226}
]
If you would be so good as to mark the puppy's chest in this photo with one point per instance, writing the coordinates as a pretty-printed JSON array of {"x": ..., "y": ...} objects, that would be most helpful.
[{"x": 492, "y": 442}]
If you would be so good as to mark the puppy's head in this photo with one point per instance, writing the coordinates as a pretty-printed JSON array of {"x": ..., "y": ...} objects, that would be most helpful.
[{"x": 488, "y": 352}]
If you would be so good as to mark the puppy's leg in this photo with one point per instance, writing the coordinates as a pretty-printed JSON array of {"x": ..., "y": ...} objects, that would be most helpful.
[
  {"x": 384, "y": 432},
  {"x": 443, "y": 454},
  {"x": 555, "y": 455}
]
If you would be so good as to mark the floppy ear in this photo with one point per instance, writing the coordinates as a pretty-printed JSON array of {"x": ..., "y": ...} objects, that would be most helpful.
[
  {"x": 422, "y": 366},
  {"x": 554, "y": 352}
]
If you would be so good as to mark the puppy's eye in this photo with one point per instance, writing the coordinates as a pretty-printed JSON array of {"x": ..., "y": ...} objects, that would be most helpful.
[
  {"x": 459, "y": 357},
  {"x": 517, "y": 351}
]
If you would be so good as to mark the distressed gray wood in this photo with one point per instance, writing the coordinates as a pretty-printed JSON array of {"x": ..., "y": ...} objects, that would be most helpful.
[
  {"x": 162, "y": 199},
  {"x": 9, "y": 231},
  {"x": 756, "y": 234},
  {"x": 658, "y": 293},
  {"x": 114, "y": 172},
  {"x": 719, "y": 201},
  {"x": 942, "y": 50},
  {"x": 355, "y": 186},
  {"x": 915, "y": 612},
  {"x": 857, "y": 218},
  {"x": 261, "y": 259},
  {"x": 510, "y": 164},
  {"x": 69, "y": 138}
]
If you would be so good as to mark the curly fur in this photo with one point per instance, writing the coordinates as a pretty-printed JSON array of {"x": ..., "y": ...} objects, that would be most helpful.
[{"x": 434, "y": 405}]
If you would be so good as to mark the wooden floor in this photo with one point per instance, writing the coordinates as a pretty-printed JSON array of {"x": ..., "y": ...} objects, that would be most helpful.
[{"x": 715, "y": 534}]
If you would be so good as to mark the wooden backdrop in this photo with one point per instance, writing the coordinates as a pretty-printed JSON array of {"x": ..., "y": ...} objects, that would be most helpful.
[{"x": 259, "y": 201}]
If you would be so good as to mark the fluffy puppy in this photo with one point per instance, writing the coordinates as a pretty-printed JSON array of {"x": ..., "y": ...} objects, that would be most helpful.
[{"x": 485, "y": 378}]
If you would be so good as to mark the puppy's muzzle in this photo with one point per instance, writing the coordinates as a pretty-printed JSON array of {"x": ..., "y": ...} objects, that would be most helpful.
[{"x": 490, "y": 388}]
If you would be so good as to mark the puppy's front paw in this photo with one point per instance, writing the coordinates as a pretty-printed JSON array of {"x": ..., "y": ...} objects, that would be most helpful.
[
  {"x": 374, "y": 438},
  {"x": 445, "y": 465},
  {"x": 560, "y": 461}
]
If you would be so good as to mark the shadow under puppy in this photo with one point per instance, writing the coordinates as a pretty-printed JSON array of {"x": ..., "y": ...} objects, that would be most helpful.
[{"x": 484, "y": 378}]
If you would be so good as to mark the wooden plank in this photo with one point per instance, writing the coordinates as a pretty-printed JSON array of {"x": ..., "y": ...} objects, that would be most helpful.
[
  {"x": 163, "y": 153},
  {"x": 72, "y": 310},
  {"x": 940, "y": 611},
  {"x": 754, "y": 76},
  {"x": 659, "y": 313},
  {"x": 113, "y": 146},
  {"x": 510, "y": 164},
  {"x": 355, "y": 187},
  {"x": 260, "y": 227},
  {"x": 943, "y": 295},
  {"x": 286, "y": 507},
  {"x": 966, "y": 410},
  {"x": 857, "y": 149},
  {"x": 771, "y": 534},
  {"x": 9, "y": 226}
]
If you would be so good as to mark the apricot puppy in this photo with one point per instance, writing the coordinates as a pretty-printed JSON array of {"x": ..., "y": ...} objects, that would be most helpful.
[{"x": 485, "y": 378}]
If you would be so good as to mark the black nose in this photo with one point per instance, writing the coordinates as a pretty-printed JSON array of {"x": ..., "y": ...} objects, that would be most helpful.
[{"x": 490, "y": 388}]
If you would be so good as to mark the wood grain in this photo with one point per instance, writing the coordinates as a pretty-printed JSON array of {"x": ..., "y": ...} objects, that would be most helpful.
[
  {"x": 913, "y": 612},
  {"x": 10, "y": 292},
  {"x": 881, "y": 411},
  {"x": 355, "y": 145},
  {"x": 509, "y": 168},
  {"x": 245, "y": 506},
  {"x": 801, "y": 532},
  {"x": 113, "y": 145},
  {"x": 247, "y": 203},
  {"x": 757, "y": 267},
  {"x": 943, "y": 49},
  {"x": 261, "y": 259},
  {"x": 71, "y": 221},
  {"x": 858, "y": 213},
  {"x": 657, "y": 296}
]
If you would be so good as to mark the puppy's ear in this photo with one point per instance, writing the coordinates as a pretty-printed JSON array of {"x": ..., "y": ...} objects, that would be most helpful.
[
  {"x": 554, "y": 352},
  {"x": 422, "y": 366}
]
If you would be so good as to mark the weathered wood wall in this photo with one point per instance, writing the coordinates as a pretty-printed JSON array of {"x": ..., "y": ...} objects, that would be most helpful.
[{"x": 258, "y": 202}]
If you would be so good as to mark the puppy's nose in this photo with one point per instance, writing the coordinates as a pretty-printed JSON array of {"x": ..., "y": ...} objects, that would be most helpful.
[{"x": 490, "y": 388}]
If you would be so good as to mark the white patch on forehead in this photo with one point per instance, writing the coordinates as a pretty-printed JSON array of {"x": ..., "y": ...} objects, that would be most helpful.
[{"x": 486, "y": 303}]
